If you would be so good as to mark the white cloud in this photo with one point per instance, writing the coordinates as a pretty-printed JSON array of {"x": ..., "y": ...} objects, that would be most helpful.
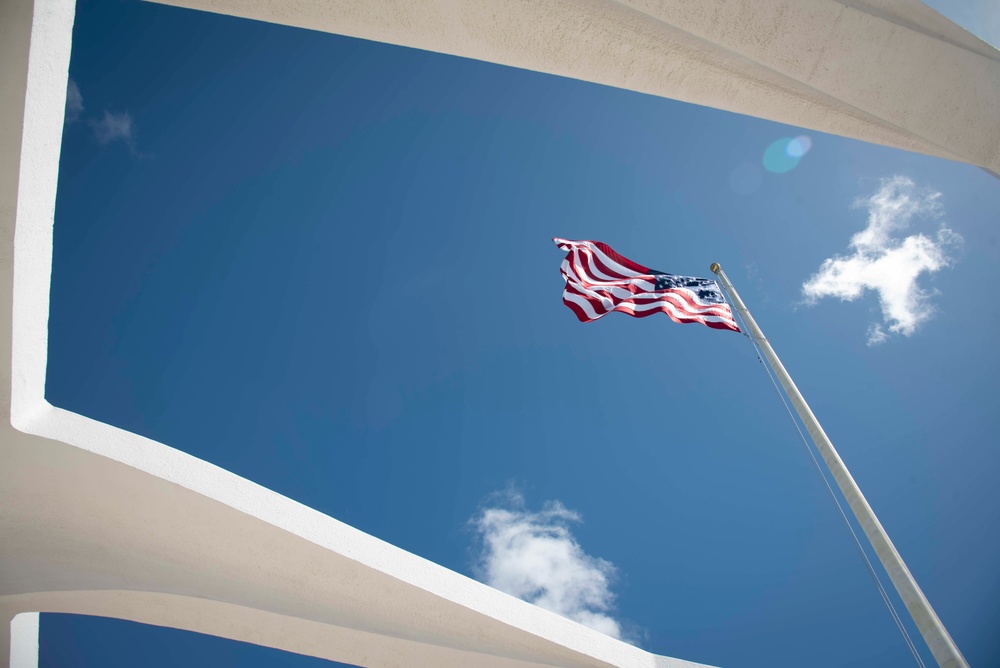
[
  {"x": 876, "y": 335},
  {"x": 74, "y": 102},
  {"x": 886, "y": 262},
  {"x": 115, "y": 126},
  {"x": 534, "y": 556}
]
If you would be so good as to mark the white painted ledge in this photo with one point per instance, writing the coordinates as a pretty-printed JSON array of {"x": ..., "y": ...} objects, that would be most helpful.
[{"x": 24, "y": 640}]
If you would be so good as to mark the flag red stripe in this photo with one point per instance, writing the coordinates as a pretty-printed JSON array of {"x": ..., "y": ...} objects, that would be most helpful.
[
  {"x": 609, "y": 266},
  {"x": 623, "y": 261},
  {"x": 588, "y": 265}
]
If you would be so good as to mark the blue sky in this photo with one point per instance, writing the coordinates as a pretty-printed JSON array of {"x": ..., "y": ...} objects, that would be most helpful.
[{"x": 326, "y": 265}]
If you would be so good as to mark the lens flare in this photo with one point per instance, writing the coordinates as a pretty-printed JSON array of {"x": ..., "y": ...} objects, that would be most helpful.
[
  {"x": 776, "y": 158},
  {"x": 799, "y": 146},
  {"x": 784, "y": 155}
]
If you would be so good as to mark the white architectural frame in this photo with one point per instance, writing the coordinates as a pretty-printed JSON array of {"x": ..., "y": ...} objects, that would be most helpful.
[{"x": 96, "y": 520}]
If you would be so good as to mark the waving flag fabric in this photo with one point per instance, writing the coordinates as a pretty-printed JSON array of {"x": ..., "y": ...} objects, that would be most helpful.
[{"x": 599, "y": 281}]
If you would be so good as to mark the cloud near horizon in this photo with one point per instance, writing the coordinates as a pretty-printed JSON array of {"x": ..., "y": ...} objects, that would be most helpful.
[
  {"x": 535, "y": 557},
  {"x": 885, "y": 261},
  {"x": 74, "y": 102},
  {"x": 112, "y": 127}
]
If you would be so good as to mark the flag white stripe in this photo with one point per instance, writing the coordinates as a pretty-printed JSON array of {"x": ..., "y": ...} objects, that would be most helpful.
[
  {"x": 608, "y": 262},
  {"x": 588, "y": 275},
  {"x": 583, "y": 265},
  {"x": 590, "y": 265},
  {"x": 587, "y": 307}
]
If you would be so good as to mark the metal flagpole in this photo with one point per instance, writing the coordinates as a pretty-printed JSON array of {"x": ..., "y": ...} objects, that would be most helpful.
[{"x": 945, "y": 651}]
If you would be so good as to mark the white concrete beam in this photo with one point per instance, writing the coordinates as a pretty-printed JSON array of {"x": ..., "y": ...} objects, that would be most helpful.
[
  {"x": 891, "y": 72},
  {"x": 192, "y": 546}
]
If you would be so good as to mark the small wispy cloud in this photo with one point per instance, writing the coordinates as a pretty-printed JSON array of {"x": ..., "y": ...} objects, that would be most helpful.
[
  {"x": 112, "y": 127},
  {"x": 535, "y": 557},
  {"x": 885, "y": 260},
  {"x": 74, "y": 102}
]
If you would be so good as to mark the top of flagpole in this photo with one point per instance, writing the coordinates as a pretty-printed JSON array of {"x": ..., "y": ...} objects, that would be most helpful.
[{"x": 715, "y": 268}]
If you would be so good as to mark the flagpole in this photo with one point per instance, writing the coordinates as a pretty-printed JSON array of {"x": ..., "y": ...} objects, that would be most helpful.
[{"x": 945, "y": 652}]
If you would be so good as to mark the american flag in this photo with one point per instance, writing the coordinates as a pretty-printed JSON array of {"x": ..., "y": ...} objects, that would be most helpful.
[{"x": 599, "y": 281}]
